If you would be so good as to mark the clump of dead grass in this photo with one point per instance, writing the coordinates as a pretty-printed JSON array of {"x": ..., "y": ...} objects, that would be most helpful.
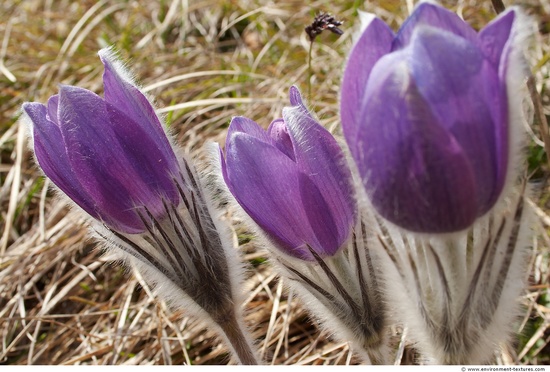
[{"x": 61, "y": 302}]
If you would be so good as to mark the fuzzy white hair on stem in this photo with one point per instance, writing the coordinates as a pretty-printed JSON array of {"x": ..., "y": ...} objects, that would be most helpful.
[
  {"x": 189, "y": 258},
  {"x": 458, "y": 293}
]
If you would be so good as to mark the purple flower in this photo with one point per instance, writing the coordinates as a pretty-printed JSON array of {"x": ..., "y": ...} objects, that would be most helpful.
[
  {"x": 292, "y": 180},
  {"x": 425, "y": 113},
  {"x": 110, "y": 155}
]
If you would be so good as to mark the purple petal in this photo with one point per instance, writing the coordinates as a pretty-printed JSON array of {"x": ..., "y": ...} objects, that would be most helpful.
[
  {"x": 275, "y": 194},
  {"x": 241, "y": 124},
  {"x": 49, "y": 149},
  {"x": 52, "y": 109},
  {"x": 374, "y": 43},
  {"x": 155, "y": 170},
  {"x": 494, "y": 36},
  {"x": 436, "y": 16},
  {"x": 248, "y": 126},
  {"x": 463, "y": 92},
  {"x": 297, "y": 103},
  {"x": 128, "y": 99},
  {"x": 295, "y": 96},
  {"x": 328, "y": 233},
  {"x": 270, "y": 200},
  {"x": 415, "y": 172},
  {"x": 453, "y": 63},
  {"x": 278, "y": 131},
  {"x": 320, "y": 158},
  {"x": 101, "y": 161}
]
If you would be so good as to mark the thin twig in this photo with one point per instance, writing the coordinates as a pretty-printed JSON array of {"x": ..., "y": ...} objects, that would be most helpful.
[{"x": 540, "y": 118}]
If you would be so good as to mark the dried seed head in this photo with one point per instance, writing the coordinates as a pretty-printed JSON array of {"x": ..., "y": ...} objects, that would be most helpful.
[{"x": 323, "y": 21}]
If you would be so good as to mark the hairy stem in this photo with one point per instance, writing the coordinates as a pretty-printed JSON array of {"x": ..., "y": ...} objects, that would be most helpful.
[
  {"x": 237, "y": 339},
  {"x": 539, "y": 114}
]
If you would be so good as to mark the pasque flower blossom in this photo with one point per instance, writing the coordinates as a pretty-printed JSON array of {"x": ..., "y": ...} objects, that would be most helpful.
[
  {"x": 294, "y": 183},
  {"x": 109, "y": 155},
  {"x": 112, "y": 157},
  {"x": 426, "y": 115},
  {"x": 291, "y": 180},
  {"x": 432, "y": 117}
]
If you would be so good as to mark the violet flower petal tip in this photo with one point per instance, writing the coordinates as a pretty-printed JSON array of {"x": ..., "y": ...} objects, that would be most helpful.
[
  {"x": 51, "y": 155},
  {"x": 435, "y": 15},
  {"x": 295, "y": 96},
  {"x": 36, "y": 112},
  {"x": 494, "y": 37},
  {"x": 113, "y": 66},
  {"x": 122, "y": 92},
  {"x": 278, "y": 132},
  {"x": 374, "y": 43},
  {"x": 365, "y": 20},
  {"x": 242, "y": 124}
]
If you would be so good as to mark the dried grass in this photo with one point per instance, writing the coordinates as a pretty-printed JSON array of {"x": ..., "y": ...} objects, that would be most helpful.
[{"x": 205, "y": 61}]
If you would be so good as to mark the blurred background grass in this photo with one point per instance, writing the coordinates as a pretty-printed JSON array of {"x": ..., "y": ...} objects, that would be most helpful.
[{"x": 204, "y": 62}]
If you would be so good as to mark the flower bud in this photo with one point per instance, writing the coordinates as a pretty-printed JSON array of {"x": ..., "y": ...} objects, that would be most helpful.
[
  {"x": 292, "y": 181},
  {"x": 110, "y": 155},
  {"x": 426, "y": 116}
]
